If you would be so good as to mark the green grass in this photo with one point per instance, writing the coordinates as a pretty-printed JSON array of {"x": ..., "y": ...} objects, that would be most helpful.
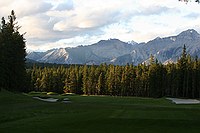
[{"x": 21, "y": 113}]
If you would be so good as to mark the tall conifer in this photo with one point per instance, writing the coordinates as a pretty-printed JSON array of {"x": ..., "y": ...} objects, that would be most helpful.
[{"x": 12, "y": 53}]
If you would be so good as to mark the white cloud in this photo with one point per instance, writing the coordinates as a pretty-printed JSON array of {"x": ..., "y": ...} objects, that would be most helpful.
[
  {"x": 24, "y": 7},
  {"x": 60, "y": 23},
  {"x": 65, "y": 5}
]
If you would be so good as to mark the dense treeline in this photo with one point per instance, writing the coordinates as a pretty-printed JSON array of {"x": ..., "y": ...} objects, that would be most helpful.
[
  {"x": 31, "y": 64},
  {"x": 180, "y": 79}
]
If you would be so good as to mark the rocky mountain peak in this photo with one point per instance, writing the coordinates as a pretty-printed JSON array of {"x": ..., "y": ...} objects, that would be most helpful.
[
  {"x": 109, "y": 41},
  {"x": 190, "y": 33},
  {"x": 118, "y": 52},
  {"x": 132, "y": 42}
]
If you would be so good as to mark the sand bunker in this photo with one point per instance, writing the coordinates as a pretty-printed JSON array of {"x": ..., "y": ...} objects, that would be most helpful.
[
  {"x": 65, "y": 100},
  {"x": 46, "y": 99},
  {"x": 184, "y": 101}
]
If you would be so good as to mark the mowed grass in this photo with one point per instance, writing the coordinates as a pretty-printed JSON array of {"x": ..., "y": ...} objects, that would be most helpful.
[{"x": 21, "y": 113}]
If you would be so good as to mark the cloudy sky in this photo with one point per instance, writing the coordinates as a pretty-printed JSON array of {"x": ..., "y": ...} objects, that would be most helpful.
[{"x": 68, "y": 23}]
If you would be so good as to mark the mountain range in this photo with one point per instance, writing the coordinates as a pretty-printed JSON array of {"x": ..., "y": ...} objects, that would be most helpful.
[{"x": 114, "y": 51}]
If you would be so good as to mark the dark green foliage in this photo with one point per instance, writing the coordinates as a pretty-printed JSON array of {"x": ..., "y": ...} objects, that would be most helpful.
[
  {"x": 12, "y": 55},
  {"x": 157, "y": 74}
]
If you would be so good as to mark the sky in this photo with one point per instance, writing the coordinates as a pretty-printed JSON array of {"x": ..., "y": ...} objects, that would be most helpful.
[{"x": 68, "y": 23}]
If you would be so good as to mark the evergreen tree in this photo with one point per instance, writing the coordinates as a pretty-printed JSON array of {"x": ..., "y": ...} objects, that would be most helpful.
[
  {"x": 72, "y": 82},
  {"x": 99, "y": 86},
  {"x": 79, "y": 77},
  {"x": 92, "y": 80},
  {"x": 182, "y": 70},
  {"x": 110, "y": 80},
  {"x": 13, "y": 54},
  {"x": 60, "y": 79},
  {"x": 85, "y": 81},
  {"x": 117, "y": 81},
  {"x": 132, "y": 73},
  {"x": 2, "y": 68},
  {"x": 101, "y": 79},
  {"x": 126, "y": 80}
]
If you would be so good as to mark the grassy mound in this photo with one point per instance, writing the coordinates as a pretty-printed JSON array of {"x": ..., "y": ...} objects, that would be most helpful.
[{"x": 96, "y": 114}]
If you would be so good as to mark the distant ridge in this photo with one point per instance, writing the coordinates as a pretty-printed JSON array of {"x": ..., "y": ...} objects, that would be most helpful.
[{"x": 114, "y": 51}]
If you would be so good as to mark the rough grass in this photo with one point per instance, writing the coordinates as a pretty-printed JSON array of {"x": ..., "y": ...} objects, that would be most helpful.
[{"x": 21, "y": 113}]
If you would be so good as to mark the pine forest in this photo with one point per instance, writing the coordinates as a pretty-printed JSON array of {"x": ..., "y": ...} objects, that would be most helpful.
[{"x": 154, "y": 79}]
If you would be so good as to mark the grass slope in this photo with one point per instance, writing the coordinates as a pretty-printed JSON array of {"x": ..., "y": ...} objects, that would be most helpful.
[{"x": 95, "y": 114}]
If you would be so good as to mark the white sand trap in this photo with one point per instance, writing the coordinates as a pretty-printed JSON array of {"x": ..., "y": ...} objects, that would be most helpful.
[
  {"x": 184, "y": 101},
  {"x": 46, "y": 99}
]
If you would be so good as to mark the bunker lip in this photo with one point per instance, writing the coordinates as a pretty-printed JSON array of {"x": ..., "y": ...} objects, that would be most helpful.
[{"x": 184, "y": 101}]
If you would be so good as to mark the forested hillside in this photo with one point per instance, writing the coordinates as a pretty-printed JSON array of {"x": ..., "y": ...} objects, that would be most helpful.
[{"x": 179, "y": 79}]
